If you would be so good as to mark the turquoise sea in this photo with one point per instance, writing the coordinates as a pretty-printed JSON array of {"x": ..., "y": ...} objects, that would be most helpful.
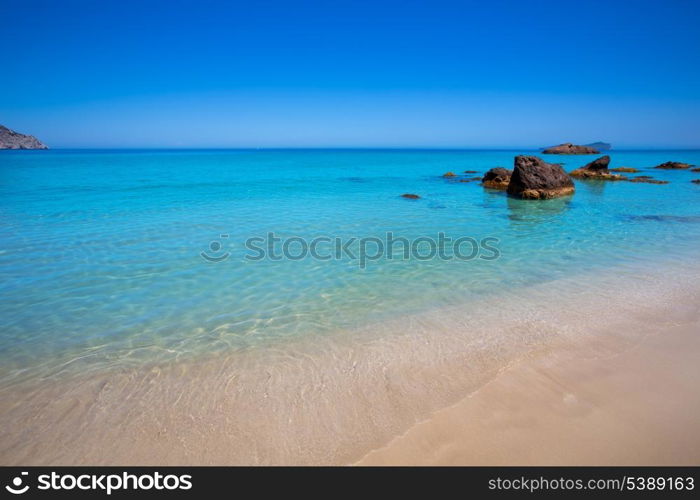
[{"x": 101, "y": 260}]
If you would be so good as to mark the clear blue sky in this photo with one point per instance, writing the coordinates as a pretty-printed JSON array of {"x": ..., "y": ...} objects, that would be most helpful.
[{"x": 351, "y": 73}]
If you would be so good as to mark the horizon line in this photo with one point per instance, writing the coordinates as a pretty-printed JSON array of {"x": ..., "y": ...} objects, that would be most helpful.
[{"x": 346, "y": 148}]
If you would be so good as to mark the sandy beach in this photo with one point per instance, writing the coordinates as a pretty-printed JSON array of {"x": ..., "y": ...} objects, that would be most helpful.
[
  {"x": 586, "y": 370},
  {"x": 583, "y": 406}
]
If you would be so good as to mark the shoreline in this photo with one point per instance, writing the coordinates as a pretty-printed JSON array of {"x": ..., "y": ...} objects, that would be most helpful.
[
  {"x": 332, "y": 400},
  {"x": 580, "y": 407}
]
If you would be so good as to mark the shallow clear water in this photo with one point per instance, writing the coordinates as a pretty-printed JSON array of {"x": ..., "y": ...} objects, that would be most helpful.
[{"x": 100, "y": 262}]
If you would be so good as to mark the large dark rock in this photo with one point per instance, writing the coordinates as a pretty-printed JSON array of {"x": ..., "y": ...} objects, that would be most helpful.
[
  {"x": 535, "y": 179},
  {"x": 673, "y": 165},
  {"x": 410, "y": 196},
  {"x": 570, "y": 149},
  {"x": 9, "y": 139},
  {"x": 497, "y": 178},
  {"x": 597, "y": 169}
]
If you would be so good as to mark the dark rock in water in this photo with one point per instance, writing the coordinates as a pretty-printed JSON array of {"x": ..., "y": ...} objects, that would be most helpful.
[
  {"x": 471, "y": 172},
  {"x": 9, "y": 139},
  {"x": 628, "y": 170},
  {"x": 647, "y": 180},
  {"x": 497, "y": 178},
  {"x": 598, "y": 165},
  {"x": 673, "y": 165},
  {"x": 410, "y": 196},
  {"x": 695, "y": 169},
  {"x": 470, "y": 179},
  {"x": 535, "y": 179},
  {"x": 695, "y": 181},
  {"x": 600, "y": 146},
  {"x": 449, "y": 174},
  {"x": 597, "y": 169},
  {"x": 570, "y": 149}
]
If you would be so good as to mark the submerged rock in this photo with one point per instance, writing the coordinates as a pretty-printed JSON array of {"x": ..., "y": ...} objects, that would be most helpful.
[
  {"x": 647, "y": 180},
  {"x": 688, "y": 219},
  {"x": 628, "y": 170},
  {"x": 695, "y": 181},
  {"x": 597, "y": 169},
  {"x": 570, "y": 149},
  {"x": 695, "y": 169},
  {"x": 535, "y": 179},
  {"x": 471, "y": 172},
  {"x": 449, "y": 174},
  {"x": 9, "y": 139},
  {"x": 673, "y": 165},
  {"x": 497, "y": 178},
  {"x": 410, "y": 196}
]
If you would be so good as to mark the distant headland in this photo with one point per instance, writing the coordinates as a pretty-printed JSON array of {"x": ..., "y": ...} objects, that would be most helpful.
[
  {"x": 600, "y": 146},
  {"x": 9, "y": 139}
]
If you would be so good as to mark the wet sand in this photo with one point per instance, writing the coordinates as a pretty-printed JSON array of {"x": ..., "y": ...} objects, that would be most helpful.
[
  {"x": 581, "y": 406},
  {"x": 590, "y": 369}
]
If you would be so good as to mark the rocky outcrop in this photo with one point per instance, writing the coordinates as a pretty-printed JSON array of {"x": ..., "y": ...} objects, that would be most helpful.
[
  {"x": 673, "y": 165},
  {"x": 628, "y": 170},
  {"x": 535, "y": 179},
  {"x": 497, "y": 178},
  {"x": 410, "y": 196},
  {"x": 448, "y": 175},
  {"x": 9, "y": 139},
  {"x": 695, "y": 181},
  {"x": 570, "y": 149},
  {"x": 597, "y": 169}
]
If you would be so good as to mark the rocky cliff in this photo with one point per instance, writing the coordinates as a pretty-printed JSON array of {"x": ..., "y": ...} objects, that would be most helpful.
[{"x": 9, "y": 139}]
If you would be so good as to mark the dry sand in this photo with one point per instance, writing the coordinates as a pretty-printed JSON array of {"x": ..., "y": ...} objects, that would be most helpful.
[{"x": 582, "y": 406}]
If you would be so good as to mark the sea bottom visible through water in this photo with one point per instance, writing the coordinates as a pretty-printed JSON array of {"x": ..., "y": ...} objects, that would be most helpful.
[
  {"x": 332, "y": 399},
  {"x": 123, "y": 342}
]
